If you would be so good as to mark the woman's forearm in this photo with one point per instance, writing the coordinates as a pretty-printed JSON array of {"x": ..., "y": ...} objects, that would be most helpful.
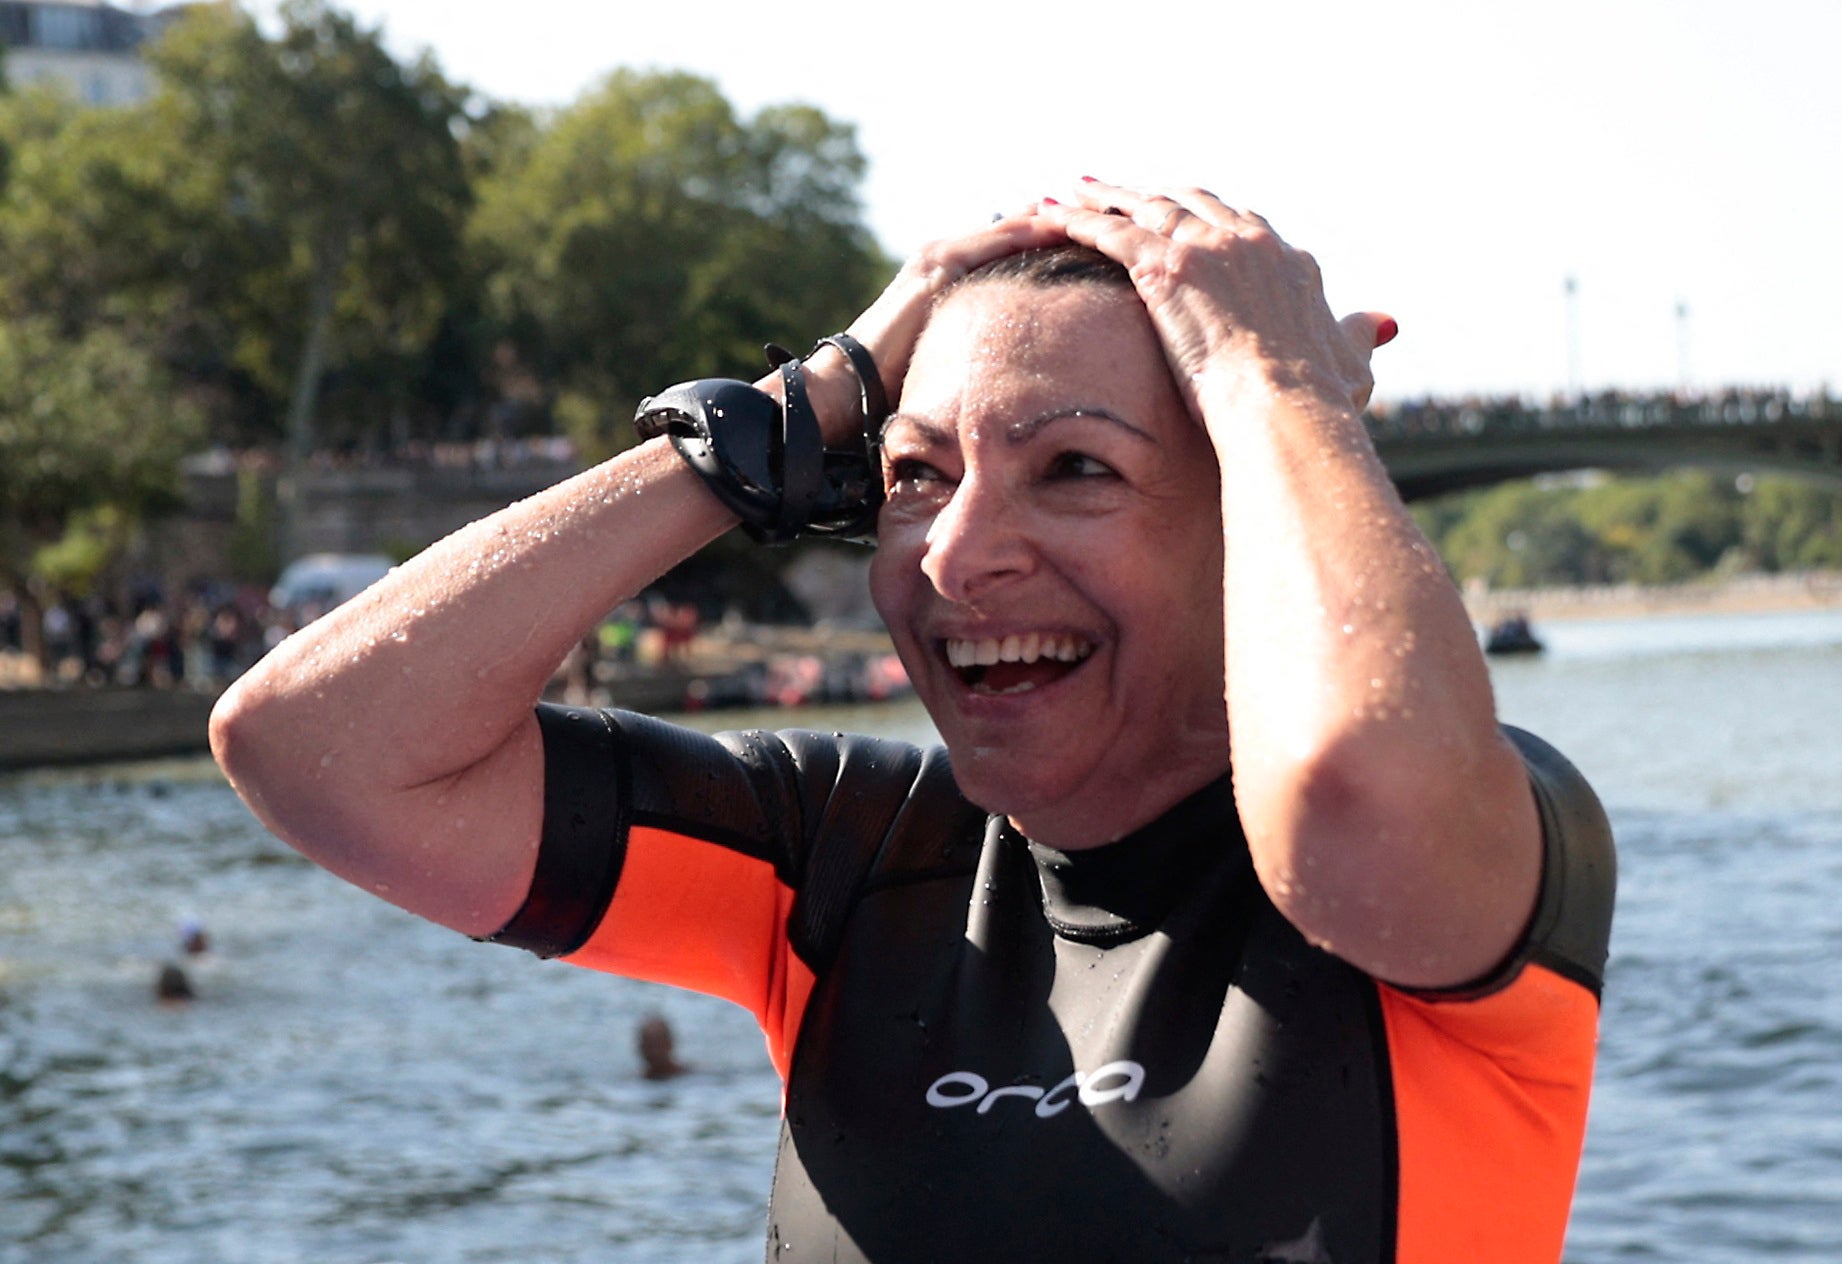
[
  {"x": 393, "y": 740},
  {"x": 1379, "y": 797}
]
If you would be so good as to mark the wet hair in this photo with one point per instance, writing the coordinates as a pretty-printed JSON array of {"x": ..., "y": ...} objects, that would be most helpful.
[{"x": 1049, "y": 267}]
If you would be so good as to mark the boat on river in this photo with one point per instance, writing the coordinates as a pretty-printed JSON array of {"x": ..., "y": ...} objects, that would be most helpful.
[{"x": 1512, "y": 634}]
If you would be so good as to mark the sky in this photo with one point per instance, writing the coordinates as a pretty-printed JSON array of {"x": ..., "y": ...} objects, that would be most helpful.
[{"x": 1452, "y": 163}]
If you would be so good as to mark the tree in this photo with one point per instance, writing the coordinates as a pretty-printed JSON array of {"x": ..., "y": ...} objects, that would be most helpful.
[
  {"x": 1790, "y": 525},
  {"x": 91, "y": 434},
  {"x": 649, "y": 235},
  {"x": 341, "y": 164},
  {"x": 282, "y": 212}
]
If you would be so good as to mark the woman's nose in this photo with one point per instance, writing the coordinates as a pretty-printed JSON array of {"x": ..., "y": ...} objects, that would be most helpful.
[{"x": 978, "y": 542}]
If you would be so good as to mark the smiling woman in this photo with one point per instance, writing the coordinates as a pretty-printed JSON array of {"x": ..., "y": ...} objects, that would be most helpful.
[
  {"x": 1047, "y": 487},
  {"x": 1228, "y": 923}
]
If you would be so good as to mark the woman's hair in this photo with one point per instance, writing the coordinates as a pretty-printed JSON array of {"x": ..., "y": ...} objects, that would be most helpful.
[{"x": 1051, "y": 266}]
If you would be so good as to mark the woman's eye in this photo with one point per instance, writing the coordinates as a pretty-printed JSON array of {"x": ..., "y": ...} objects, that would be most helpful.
[
  {"x": 906, "y": 473},
  {"x": 1080, "y": 465}
]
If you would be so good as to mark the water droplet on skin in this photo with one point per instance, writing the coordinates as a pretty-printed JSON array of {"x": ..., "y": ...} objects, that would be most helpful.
[
  {"x": 326, "y": 760},
  {"x": 1349, "y": 629}
]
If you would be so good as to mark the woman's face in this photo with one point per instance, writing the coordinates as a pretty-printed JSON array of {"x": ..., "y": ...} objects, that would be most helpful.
[{"x": 1050, "y": 560}]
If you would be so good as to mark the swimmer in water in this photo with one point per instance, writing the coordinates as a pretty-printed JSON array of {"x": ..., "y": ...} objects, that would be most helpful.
[
  {"x": 655, "y": 1043},
  {"x": 192, "y": 937},
  {"x": 172, "y": 987},
  {"x": 1068, "y": 988}
]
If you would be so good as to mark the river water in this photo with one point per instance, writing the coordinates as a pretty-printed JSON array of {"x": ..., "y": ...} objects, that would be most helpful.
[{"x": 354, "y": 1086}]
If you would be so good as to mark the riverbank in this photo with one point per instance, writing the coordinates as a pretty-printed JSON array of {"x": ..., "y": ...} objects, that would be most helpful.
[
  {"x": 41, "y": 728},
  {"x": 1743, "y": 594}
]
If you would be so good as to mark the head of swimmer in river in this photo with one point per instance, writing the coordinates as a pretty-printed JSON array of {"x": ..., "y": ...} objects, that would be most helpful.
[{"x": 1049, "y": 557}]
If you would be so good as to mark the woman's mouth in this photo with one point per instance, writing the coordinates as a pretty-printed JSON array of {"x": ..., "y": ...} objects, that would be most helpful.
[{"x": 1016, "y": 663}]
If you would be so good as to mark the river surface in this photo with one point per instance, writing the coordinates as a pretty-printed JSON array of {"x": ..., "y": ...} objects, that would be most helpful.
[{"x": 354, "y": 1086}]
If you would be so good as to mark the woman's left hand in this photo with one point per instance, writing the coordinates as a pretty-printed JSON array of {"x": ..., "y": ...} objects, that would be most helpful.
[
  {"x": 1232, "y": 302},
  {"x": 1387, "y": 817}
]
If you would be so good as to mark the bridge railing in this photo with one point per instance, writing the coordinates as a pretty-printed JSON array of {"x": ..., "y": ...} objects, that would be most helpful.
[{"x": 1607, "y": 410}]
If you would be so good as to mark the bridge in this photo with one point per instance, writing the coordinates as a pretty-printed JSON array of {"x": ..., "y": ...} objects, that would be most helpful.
[
  {"x": 1435, "y": 447},
  {"x": 1430, "y": 447}
]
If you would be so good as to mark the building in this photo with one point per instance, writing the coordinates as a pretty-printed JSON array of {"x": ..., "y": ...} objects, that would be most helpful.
[{"x": 90, "y": 49}]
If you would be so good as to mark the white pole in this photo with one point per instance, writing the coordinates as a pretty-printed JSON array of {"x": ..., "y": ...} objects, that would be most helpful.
[{"x": 1575, "y": 386}]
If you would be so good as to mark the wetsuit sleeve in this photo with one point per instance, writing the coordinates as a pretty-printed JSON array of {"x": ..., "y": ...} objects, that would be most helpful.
[
  {"x": 1491, "y": 1081},
  {"x": 723, "y": 864},
  {"x": 1570, "y": 930}
]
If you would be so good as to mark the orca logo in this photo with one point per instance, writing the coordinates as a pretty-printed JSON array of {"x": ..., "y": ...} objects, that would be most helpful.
[{"x": 1114, "y": 1082}]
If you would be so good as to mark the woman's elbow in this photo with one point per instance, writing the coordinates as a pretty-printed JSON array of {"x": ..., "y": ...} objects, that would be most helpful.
[{"x": 1410, "y": 872}]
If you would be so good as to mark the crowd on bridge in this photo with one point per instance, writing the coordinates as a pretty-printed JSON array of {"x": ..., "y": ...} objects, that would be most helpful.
[{"x": 1487, "y": 414}]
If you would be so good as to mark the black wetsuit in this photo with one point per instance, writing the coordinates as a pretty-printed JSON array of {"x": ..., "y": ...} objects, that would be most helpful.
[{"x": 994, "y": 1051}]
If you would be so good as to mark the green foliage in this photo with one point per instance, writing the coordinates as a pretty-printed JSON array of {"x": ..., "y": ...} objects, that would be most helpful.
[
  {"x": 252, "y": 534},
  {"x": 282, "y": 210},
  {"x": 329, "y": 245},
  {"x": 91, "y": 433},
  {"x": 648, "y": 235},
  {"x": 1659, "y": 530},
  {"x": 343, "y": 174}
]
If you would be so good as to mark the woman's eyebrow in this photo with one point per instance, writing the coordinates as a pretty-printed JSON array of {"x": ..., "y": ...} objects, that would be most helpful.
[
  {"x": 1024, "y": 431},
  {"x": 934, "y": 434}
]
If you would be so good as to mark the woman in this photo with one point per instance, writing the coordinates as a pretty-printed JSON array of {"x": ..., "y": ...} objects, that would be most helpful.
[{"x": 1078, "y": 993}]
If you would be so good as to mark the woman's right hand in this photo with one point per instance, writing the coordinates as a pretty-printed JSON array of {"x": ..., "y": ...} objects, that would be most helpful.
[{"x": 890, "y": 326}]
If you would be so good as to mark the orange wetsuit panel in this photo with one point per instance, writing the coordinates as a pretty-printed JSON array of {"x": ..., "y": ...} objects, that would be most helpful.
[
  {"x": 699, "y": 915},
  {"x": 1490, "y": 1107}
]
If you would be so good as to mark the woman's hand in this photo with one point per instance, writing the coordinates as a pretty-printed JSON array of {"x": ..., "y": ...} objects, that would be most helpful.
[
  {"x": 1387, "y": 817},
  {"x": 890, "y": 326},
  {"x": 1231, "y": 301}
]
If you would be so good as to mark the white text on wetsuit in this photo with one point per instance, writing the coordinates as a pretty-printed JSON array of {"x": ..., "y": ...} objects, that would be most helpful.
[{"x": 1114, "y": 1082}]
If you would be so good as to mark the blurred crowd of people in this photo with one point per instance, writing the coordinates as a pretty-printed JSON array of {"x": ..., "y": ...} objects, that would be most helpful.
[
  {"x": 208, "y": 635},
  {"x": 202, "y": 638}
]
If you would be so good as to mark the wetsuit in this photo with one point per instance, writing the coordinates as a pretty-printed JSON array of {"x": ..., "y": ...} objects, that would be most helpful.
[{"x": 996, "y": 1051}]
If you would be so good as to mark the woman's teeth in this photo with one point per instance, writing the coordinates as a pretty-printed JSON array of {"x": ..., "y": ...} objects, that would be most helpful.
[{"x": 1031, "y": 647}]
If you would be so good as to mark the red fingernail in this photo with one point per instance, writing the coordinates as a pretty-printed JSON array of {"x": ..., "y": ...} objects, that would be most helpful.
[
  {"x": 1089, "y": 180},
  {"x": 1385, "y": 332},
  {"x": 1049, "y": 201}
]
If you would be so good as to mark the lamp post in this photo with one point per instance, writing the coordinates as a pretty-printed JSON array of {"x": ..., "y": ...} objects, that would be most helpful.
[{"x": 1571, "y": 288}]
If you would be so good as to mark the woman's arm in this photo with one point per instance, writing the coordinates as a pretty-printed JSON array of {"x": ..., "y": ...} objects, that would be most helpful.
[
  {"x": 394, "y": 740},
  {"x": 1388, "y": 817}
]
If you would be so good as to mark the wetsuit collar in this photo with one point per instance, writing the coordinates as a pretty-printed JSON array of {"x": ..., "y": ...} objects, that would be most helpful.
[{"x": 1119, "y": 892}]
